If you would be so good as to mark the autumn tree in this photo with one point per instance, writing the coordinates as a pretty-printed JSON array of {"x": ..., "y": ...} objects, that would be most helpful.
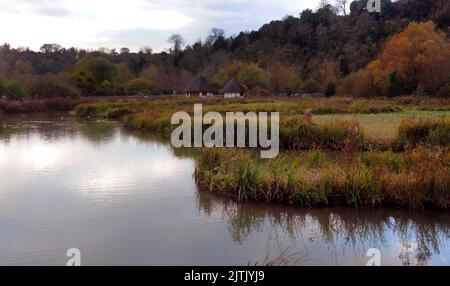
[
  {"x": 95, "y": 73},
  {"x": 251, "y": 75},
  {"x": 100, "y": 66},
  {"x": 418, "y": 56},
  {"x": 284, "y": 79},
  {"x": 150, "y": 73},
  {"x": 124, "y": 73}
]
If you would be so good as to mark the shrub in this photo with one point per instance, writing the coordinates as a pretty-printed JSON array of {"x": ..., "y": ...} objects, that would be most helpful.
[
  {"x": 330, "y": 90},
  {"x": 310, "y": 86},
  {"x": 138, "y": 85},
  {"x": 444, "y": 91},
  {"x": 297, "y": 133},
  {"x": 420, "y": 91},
  {"x": 423, "y": 131},
  {"x": 85, "y": 82},
  {"x": 105, "y": 88},
  {"x": 364, "y": 82},
  {"x": 50, "y": 88},
  {"x": 14, "y": 90},
  {"x": 393, "y": 87}
]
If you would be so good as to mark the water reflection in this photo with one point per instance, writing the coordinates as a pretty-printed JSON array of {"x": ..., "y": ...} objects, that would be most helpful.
[
  {"x": 53, "y": 126},
  {"x": 130, "y": 199},
  {"x": 410, "y": 239}
]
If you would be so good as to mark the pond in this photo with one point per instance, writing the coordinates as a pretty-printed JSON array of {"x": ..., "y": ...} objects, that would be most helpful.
[{"x": 123, "y": 199}]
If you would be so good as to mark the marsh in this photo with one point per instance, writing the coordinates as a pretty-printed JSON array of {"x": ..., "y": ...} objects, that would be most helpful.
[{"x": 125, "y": 199}]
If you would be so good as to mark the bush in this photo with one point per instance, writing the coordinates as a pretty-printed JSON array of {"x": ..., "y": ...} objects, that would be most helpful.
[
  {"x": 2, "y": 89},
  {"x": 330, "y": 89},
  {"x": 85, "y": 82},
  {"x": 297, "y": 133},
  {"x": 51, "y": 88},
  {"x": 105, "y": 88},
  {"x": 363, "y": 85},
  {"x": 138, "y": 85},
  {"x": 14, "y": 90},
  {"x": 444, "y": 91},
  {"x": 310, "y": 86},
  {"x": 423, "y": 131}
]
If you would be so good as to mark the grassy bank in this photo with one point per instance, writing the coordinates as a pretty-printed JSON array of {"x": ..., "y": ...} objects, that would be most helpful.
[{"x": 419, "y": 178}]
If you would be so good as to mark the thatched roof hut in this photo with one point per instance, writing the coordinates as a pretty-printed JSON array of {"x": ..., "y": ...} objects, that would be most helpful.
[
  {"x": 233, "y": 89},
  {"x": 199, "y": 87}
]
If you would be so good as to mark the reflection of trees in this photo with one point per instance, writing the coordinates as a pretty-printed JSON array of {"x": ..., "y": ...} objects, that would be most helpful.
[
  {"x": 54, "y": 126},
  {"x": 163, "y": 140},
  {"x": 420, "y": 238},
  {"x": 98, "y": 131},
  {"x": 48, "y": 126},
  {"x": 356, "y": 230}
]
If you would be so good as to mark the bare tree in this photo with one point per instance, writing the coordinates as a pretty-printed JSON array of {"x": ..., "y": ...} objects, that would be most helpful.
[
  {"x": 177, "y": 42},
  {"x": 341, "y": 6},
  {"x": 214, "y": 35},
  {"x": 124, "y": 51},
  {"x": 51, "y": 48},
  {"x": 146, "y": 50},
  {"x": 323, "y": 3}
]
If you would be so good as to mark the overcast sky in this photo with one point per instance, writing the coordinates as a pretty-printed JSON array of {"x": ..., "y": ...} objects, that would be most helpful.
[{"x": 92, "y": 24}]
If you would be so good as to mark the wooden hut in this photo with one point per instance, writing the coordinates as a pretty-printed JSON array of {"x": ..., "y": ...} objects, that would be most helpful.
[
  {"x": 200, "y": 87},
  {"x": 233, "y": 89}
]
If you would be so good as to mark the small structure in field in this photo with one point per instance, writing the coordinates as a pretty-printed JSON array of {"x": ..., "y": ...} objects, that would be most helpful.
[
  {"x": 233, "y": 89},
  {"x": 200, "y": 87}
]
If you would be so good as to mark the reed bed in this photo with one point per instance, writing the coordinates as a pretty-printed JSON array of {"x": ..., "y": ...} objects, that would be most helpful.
[{"x": 416, "y": 179}]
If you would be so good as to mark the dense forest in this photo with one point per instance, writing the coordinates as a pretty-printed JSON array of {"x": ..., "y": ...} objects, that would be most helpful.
[{"x": 340, "y": 48}]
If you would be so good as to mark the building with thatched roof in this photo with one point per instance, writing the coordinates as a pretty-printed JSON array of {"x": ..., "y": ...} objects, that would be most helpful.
[
  {"x": 199, "y": 87},
  {"x": 233, "y": 89}
]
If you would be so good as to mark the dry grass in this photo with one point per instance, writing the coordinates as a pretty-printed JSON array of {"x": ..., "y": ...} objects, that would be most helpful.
[{"x": 415, "y": 179}]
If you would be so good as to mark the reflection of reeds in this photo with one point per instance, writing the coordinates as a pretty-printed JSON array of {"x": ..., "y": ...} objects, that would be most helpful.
[
  {"x": 287, "y": 257},
  {"x": 359, "y": 229}
]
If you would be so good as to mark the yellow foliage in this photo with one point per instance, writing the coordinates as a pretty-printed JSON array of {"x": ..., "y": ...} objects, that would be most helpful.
[{"x": 419, "y": 55}]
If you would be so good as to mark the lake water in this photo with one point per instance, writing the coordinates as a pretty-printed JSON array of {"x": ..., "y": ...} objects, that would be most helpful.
[{"x": 122, "y": 199}]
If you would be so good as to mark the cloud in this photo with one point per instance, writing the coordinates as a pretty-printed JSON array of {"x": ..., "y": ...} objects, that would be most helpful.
[
  {"x": 53, "y": 11},
  {"x": 133, "y": 23}
]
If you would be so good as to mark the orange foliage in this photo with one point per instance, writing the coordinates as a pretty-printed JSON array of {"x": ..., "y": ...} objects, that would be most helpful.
[{"x": 419, "y": 55}]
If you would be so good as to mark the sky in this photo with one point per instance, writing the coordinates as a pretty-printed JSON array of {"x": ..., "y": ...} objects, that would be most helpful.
[{"x": 91, "y": 24}]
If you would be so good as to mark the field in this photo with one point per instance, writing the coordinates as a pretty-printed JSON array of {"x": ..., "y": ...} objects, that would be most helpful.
[
  {"x": 359, "y": 153},
  {"x": 384, "y": 126}
]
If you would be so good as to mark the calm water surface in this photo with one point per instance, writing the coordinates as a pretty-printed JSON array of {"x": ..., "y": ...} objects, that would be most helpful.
[{"x": 125, "y": 200}]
